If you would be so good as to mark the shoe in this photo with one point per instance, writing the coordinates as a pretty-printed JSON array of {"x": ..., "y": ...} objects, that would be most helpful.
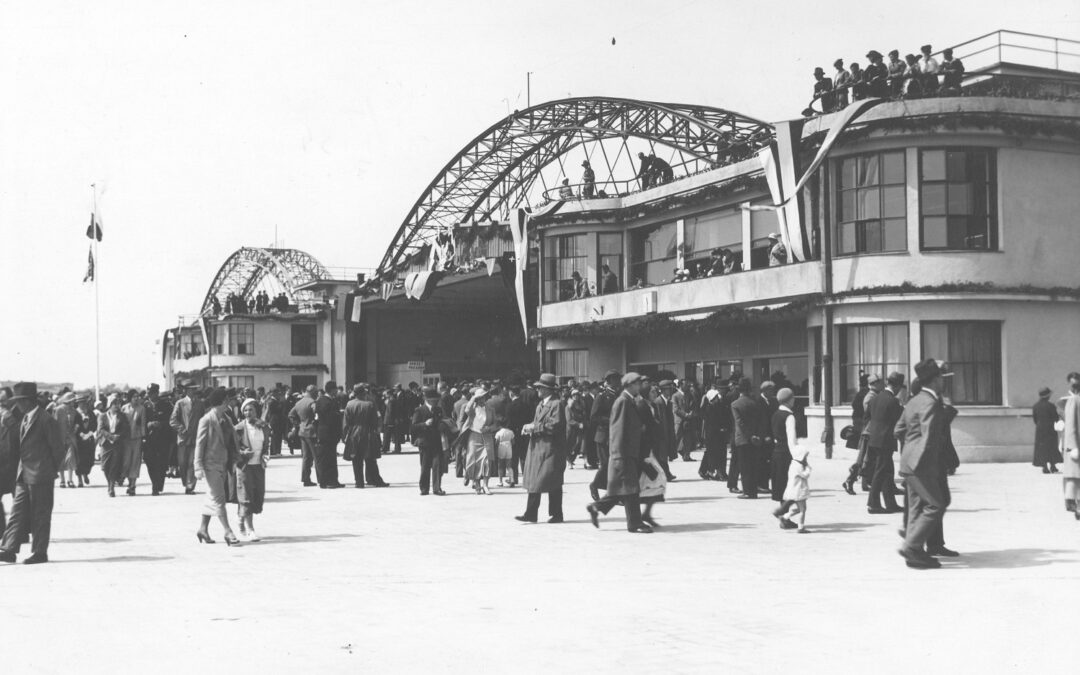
[
  {"x": 876, "y": 510},
  {"x": 803, "y": 530},
  {"x": 1053, "y": 469},
  {"x": 722, "y": 477},
  {"x": 786, "y": 524},
  {"x": 641, "y": 529},
  {"x": 7, "y": 556},
  {"x": 745, "y": 496},
  {"x": 918, "y": 559},
  {"x": 189, "y": 491},
  {"x": 438, "y": 493},
  {"x": 131, "y": 491},
  {"x": 63, "y": 485},
  {"x": 232, "y": 540},
  {"x": 423, "y": 493},
  {"x": 594, "y": 515},
  {"x": 1045, "y": 470},
  {"x": 252, "y": 536},
  {"x": 671, "y": 478},
  {"x": 650, "y": 522},
  {"x": 524, "y": 519},
  {"x": 849, "y": 487},
  {"x": 308, "y": 483},
  {"x": 155, "y": 493},
  {"x": 735, "y": 491},
  {"x": 359, "y": 486},
  {"x": 555, "y": 520},
  {"x": 704, "y": 476},
  {"x": 942, "y": 552},
  {"x": 36, "y": 559},
  {"x": 902, "y": 532},
  {"x": 71, "y": 483},
  {"x": 112, "y": 492},
  {"x": 204, "y": 538},
  {"x": 382, "y": 484},
  {"x": 594, "y": 493}
]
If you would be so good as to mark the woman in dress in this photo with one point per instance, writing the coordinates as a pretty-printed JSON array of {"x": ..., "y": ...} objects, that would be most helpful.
[
  {"x": 651, "y": 487},
  {"x": 798, "y": 487},
  {"x": 1070, "y": 444},
  {"x": 1045, "y": 416},
  {"x": 86, "y": 428},
  {"x": 111, "y": 432},
  {"x": 215, "y": 461},
  {"x": 253, "y": 440},
  {"x": 479, "y": 441},
  {"x": 64, "y": 413}
]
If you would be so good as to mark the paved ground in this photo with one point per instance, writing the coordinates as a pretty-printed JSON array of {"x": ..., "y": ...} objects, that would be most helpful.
[{"x": 389, "y": 581}]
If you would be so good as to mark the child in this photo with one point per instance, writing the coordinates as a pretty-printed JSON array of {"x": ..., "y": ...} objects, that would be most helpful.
[
  {"x": 798, "y": 489},
  {"x": 504, "y": 450}
]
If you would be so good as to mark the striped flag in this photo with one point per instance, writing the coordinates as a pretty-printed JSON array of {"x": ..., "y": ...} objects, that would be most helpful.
[{"x": 90, "y": 267}]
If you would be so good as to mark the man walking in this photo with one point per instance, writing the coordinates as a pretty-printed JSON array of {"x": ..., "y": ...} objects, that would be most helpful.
[
  {"x": 156, "y": 448},
  {"x": 600, "y": 418},
  {"x": 361, "y": 433},
  {"x": 302, "y": 416},
  {"x": 9, "y": 447},
  {"x": 41, "y": 450},
  {"x": 884, "y": 411},
  {"x": 277, "y": 419},
  {"x": 545, "y": 462},
  {"x": 185, "y": 422},
  {"x": 327, "y": 434},
  {"x": 131, "y": 461},
  {"x": 624, "y": 459},
  {"x": 428, "y": 425}
]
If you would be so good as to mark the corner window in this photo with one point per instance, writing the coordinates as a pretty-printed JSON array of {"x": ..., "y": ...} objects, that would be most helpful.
[
  {"x": 303, "y": 340},
  {"x": 242, "y": 339},
  {"x": 563, "y": 255},
  {"x": 973, "y": 350},
  {"x": 653, "y": 254},
  {"x": 218, "y": 336},
  {"x": 958, "y": 199},
  {"x": 191, "y": 344},
  {"x": 871, "y": 205},
  {"x": 709, "y": 231},
  {"x": 870, "y": 348},
  {"x": 610, "y": 253},
  {"x": 570, "y": 364}
]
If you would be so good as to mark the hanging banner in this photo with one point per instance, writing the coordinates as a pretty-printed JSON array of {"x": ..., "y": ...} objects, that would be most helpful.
[{"x": 490, "y": 264}]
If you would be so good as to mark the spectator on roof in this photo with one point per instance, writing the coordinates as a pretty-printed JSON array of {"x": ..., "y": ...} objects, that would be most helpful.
[
  {"x": 841, "y": 85},
  {"x": 823, "y": 89},
  {"x": 897, "y": 69},
  {"x": 953, "y": 73},
  {"x": 566, "y": 192}
]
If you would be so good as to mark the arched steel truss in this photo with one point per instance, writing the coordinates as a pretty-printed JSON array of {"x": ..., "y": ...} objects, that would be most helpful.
[
  {"x": 247, "y": 268},
  {"x": 497, "y": 170}
]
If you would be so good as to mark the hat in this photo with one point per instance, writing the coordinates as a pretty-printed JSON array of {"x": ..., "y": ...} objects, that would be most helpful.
[
  {"x": 775, "y": 236},
  {"x": 630, "y": 378},
  {"x": 666, "y": 383},
  {"x": 873, "y": 378},
  {"x": 838, "y": 63},
  {"x": 67, "y": 398},
  {"x": 113, "y": 398},
  {"x": 785, "y": 395},
  {"x": 930, "y": 368},
  {"x": 612, "y": 373},
  {"x": 895, "y": 378},
  {"x": 216, "y": 397},
  {"x": 873, "y": 54},
  {"x": 24, "y": 390},
  {"x": 925, "y": 48},
  {"x": 548, "y": 381},
  {"x": 585, "y": 163},
  {"x": 188, "y": 383},
  {"x": 431, "y": 392},
  {"x": 819, "y": 71},
  {"x": 711, "y": 394},
  {"x": 248, "y": 402},
  {"x": 847, "y": 432},
  {"x": 1044, "y": 392}
]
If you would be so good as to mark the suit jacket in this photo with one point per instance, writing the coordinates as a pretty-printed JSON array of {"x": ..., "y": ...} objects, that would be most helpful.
[
  {"x": 328, "y": 420},
  {"x": 498, "y": 410},
  {"x": 923, "y": 430},
  {"x": 109, "y": 435},
  {"x": 41, "y": 449},
  {"x": 428, "y": 438},
  {"x": 215, "y": 442},
  {"x": 668, "y": 425},
  {"x": 600, "y": 415},
  {"x": 518, "y": 415},
  {"x": 184, "y": 422},
  {"x": 650, "y": 423},
  {"x": 360, "y": 425},
  {"x": 9, "y": 448},
  {"x": 884, "y": 411},
  {"x": 545, "y": 461},
  {"x": 136, "y": 419},
  {"x": 302, "y": 416},
  {"x": 624, "y": 435},
  {"x": 1072, "y": 422},
  {"x": 749, "y": 419},
  {"x": 680, "y": 407}
]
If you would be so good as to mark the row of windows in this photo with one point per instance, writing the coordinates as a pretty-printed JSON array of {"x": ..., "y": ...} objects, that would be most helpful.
[
  {"x": 957, "y": 201},
  {"x": 241, "y": 340}
]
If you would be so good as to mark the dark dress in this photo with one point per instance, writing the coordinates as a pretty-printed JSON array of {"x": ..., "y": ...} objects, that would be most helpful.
[
  {"x": 85, "y": 424},
  {"x": 1044, "y": 414},
  {"x": 781, "y": 454}
]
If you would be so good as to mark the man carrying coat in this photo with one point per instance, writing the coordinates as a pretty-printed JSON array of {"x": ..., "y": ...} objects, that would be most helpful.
[
  {"x": 625, "y": 459},
  {"x": 545, "y": 461},
  {"x": 923, "y": 430},
  {"x": 41, "y": 450}
]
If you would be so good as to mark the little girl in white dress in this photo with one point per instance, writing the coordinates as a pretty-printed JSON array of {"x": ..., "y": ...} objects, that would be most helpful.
[{"x": 798, "y": 488}]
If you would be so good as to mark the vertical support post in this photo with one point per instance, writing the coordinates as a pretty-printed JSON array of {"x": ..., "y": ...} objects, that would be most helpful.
[{"x": 827, "y": 318}]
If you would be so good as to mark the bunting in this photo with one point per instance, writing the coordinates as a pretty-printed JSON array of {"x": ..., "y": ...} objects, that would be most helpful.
[{"x": 89, "y": 276}]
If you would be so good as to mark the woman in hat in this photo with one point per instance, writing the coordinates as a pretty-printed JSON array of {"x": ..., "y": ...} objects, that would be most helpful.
[
  {"x": 912, "y": 77},
  {"x": 253, "y": 442},
  {"x": 64, "y": 413},
  {"x": 479, "y": 440},
  {"x": 111, "y": 433},
  {"x": 1045, "y": 415},
  {"x": 86, "y": 429}
]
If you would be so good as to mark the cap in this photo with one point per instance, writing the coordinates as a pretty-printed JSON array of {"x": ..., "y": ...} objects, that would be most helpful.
[
  {"x": 1044, "y": 392},
  {"x": 873, "y": 378},
  {"x": 666, "y": 383},
  {"x": 630, "y": 378}
]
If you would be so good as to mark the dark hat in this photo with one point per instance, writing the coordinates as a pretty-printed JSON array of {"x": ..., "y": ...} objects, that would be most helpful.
[
  {"x": 947, "y": 51},
  {"x": 585, "y": 163},
  {"x": 873, "y": 54},
  {"x": 431, "y": 392},
  {"x": 216, "y": 397},
  {"x": 548, "y": 381},
  {"x": 873, "y": 378},
  {"x": 895, "y": 52},
  {"x": 838, "y": 63},
  {"x": 847, "y": 432},
  {"x": 929, "y": 369},
  {"x": 925, "y": 48},
  {"x": 1044, "y": 392},
  {"x": 819, "y": 71},
  {"x": 630, "y": 378},
  {"x": 24, "y": 390},
  {"x": 666, "y": 383},
  {"x": 612, "y": 373}
]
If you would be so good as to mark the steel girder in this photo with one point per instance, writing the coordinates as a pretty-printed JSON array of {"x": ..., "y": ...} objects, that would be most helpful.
[
  {"x": 499, "y": 168},
  {"x": 248, "y": 267}
]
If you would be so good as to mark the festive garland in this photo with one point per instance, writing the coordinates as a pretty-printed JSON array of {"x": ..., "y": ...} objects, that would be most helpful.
[{"x": 960, "y": 287}]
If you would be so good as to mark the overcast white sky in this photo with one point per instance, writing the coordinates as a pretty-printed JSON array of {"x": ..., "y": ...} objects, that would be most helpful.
[{"x": 211, "y": 122}]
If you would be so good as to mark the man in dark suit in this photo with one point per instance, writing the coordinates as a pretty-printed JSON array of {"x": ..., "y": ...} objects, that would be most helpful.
[
  {"x": 41, "y": 450},
  {"x": 276, "y": 418},
  {"x": 750, "y": 426},
  {"x": 664, "y": 410},
  {"x": 394, "y": 420},
  {"x": 518, "y": 415},
  {"x": 10, "y": 417},
  {"x": 884, "y": 411},
  {"x": 715, "y": 426},
  {"x": 588, "y": 442},
  {"x": 302, "y": 416},
  {"x": 769, "y": 405},
  {"x": 158, "y": 438},
  {"x": 600, "y": 418},
  {"x": 360, "y": 429},
  {"x": 624, "y": 462},
  {"x": 923, "y": 430},
  {"x": 428, "y": 424},
  {"x": 327, "y": 434}
]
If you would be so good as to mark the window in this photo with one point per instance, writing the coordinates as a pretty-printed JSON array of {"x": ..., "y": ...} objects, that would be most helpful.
[
  {"x": 871, "y": 205},
  {"x": 610, "y": 252},
  {"x": 242, "y": 339},
  {"x": 235, "y": 381},
  {"x": 652, "y": 254},
  {"x": 218, "y": 335},
  {"x": 958, "y": 199},
  {"x": 303, "y": 340},
  {"x": 301, "y": 382},
  {"x": 191, "y": 344},
  {"x": 563, "y": 255},
  {"x": 707, "y": 372},
  {"x": 762, "y": 224},
  {"x": 570, "y": 364},
  {"x": 654, "y": 370},
  {"x": 973, "y": 350},
  {"x": 719, "y": 229},
  {"x": 871, "y": 348}
]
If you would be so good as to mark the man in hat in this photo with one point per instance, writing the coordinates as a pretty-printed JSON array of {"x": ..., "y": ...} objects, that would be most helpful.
[
  {"x": 777, "y": 251},
  {"x": 897, "y": 71},
  {"x": 41, "y": 450},
  {"x": 588, "y": 178},
  {"x": 1045, "y": 415},
  {"x": 276, "y": 418},
  {"x": 156, "y": 448},
  {"x": 665, "y": 434},
  {"x": 327, "y": 435},
  {"x": 923, "y": 432},
  {"x": 952, "y": 73},
  {"x": 929, "y": 68},
  {"x": 429, "y": 424},
  {"x": 841, "y": 84},
  {"x": 185, "y": 422},
  {"x": 302, "y": 416},
  {"x": 884, "y": 411},
  {"x": 10, "y": 417},
  {"x": 860, "y": 468},
  {"x": 823, "y": 90},
  {"x": 645, "y": 171},
  {"x": 625, "y": 459},
  {"x": 545, "y": 462},
  {"x": 600, "y": 418},
  {"x": 361, "y": 433},
  {"x": 131, "y": 460},
  {"x": 750, "y": 420},
  {"x": 876, "y": 75}
]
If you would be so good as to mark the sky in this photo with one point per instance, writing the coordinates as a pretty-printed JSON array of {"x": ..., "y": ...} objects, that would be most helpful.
[{"x": 206, "y": 125}]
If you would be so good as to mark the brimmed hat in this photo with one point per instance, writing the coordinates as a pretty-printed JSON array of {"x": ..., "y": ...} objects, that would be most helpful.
[
  {"x": 113, "y": 398},
  {"x": 548, "y": 381},
  {"x": 895, "y": 52},
  {"x": 930, "y": 368},
  {"x": 873, "y": 54},
  {"x": 24, "y": 390},
  {"x": 479, "y": 392},
  {"x": 248, "y": 402},
  {"x": 895, "y": 378},
  {"x": 819, "y": 71},
  {"x": 612, "y": 373},
  {"x": 666, "y": 383},
  {"x": 431, "y": 392},
  {"x": 873, "y": 378},
  {"x": 775, "y": 236},
  {"x": 838, "y": 63},
  {"x": 67, "y": 398},
  {"x": 630, "y": 378},
  {"x": 585, "y": 163},
  {"x": 1044, "y": 392},
  {"x": 926, "y": 48}
]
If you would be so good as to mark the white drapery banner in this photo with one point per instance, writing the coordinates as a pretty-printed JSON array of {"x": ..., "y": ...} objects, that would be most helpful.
[{"x": 519, "y": 230}]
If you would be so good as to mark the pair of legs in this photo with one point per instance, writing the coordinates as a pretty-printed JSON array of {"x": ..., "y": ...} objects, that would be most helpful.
[
  {"x": 431, "y": 470},
  {"x": 31, "y": 513},
  {"x": 326, "y": 463},
  {"x": 792, "y": 509},
  {"x": 632, "y": 504},
  {"x": 599, "y": 481},
  {"x": 217, "y": 489},
  {"x": 881, "y": 483},
  {"x": 360, "y": 464},
  {"x": 749, "y": 466},
  {"x": 714, "y": 461},
  {"x": 924, "y": 516},
  {"x": 532, "y": 506},
  {"x": 307, "y": 449},
  {"x": 185, "y": 458},
  {"x": 507, "y": 475},
  {"x": 250, "y": 493}
]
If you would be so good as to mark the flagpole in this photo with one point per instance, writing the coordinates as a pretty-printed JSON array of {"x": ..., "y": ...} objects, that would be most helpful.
[{"x": 97, "y": 313}]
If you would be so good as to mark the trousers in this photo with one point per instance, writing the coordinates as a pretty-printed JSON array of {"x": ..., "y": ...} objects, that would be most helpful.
[
  {"x": 926, "y": 506},
  {"x": 599, "y": 481},
  {"x": 185, "y": 462},
  {"x": 532, "y": 504},
  {"x": 156, "y": 457},
  {"x": 632, "y": 504},
  {"x": 359, "y": 465},
  {"x": 715, "y": 457},
  {"x": 431, "y": 470},
  {"x": 31, "y": 513},
  {"x": 307, "y": 453},
  {"x": 881, "y": 484},
  {"x": 326, "y": 462},
  {"x": 749, "y": 469}
]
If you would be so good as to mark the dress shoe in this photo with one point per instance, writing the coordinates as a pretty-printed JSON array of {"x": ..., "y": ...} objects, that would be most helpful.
[
  {"x": 848, "y": 487},
  {"x": 803, "y": 530},
  {"x": 423, "y": 493},
  {"x": 439, "y": 493},
  {"x": 671, "y": 478},
  {"x": 383, "y": 484},
  {"x": 735, "y": 491},
  {"x": 308, "y": 483},
  {"x": 1045, "y": 470},
  {"x": 36, "y": 559},
  {"x": 359, "y": 486},
  {"x": 641, "y": 529},
  {"x": 918, "y": 559},
  {"x": 71, "y": 483},
  {"x": 131, "y": 491},
  {"x": 650, "y": 522},
  {"x": 64, "y": 485},
  {"x": 876, "y": 510},
  {"x": 112, "y": 492},
  {"x": 745, "y": 496},
  {"x": 594, "y": 515},
  {"x": 555, "y": 520},
  {"x": 7, "y": 556},
  {"x": 722, "y": 477},
  {"x": 941, "y": 552},
  {"x": 786, "y": 524},
  {"x": 594, "y": 493},
  {"x": 189, "y": 491},
  {"x": 525, "y": 519},
  {"x": 155, "y": 493}
]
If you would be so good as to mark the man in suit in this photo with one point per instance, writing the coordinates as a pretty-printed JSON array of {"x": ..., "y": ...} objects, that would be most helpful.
[
  {"x": 393, "y": 417},
  {"x": 770, "y": 405},
  {"x": 428, "y": 425},
  {"x": 185, "y": 422},
  {"x": 923, "y": 430},
  {"x": 135, "y": 413},
  {"x": 600, "y": 419},
  {"x": 518, "y": 415},
  {"x": 625, "y": 434},
  {"x": 716, "y": 425},
  {"x": 327, "y": 434},
  {"x": 157, "y": 446},
  {"x": 686, "y": 416},
  {"x": 10, "y": 417},
  {"x": 588, "y": 444},
  {"x": 545, "y": 461},
  {"x": 751, "y": 434},
  {"x": 302, "y": 416},
  {"x": 884, "y": 411},
  {"x": 41, "y": 450},
  {"x": 360, "y": 429},
  {"x": 664, "y": 410},
  {"x": 276, "y": 419}
]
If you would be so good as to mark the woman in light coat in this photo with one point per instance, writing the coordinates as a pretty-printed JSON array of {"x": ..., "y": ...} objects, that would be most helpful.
[
  {"x": 1070, "y": 467},
  {"x": 253, "y": 443},
  {"x": 479, "y": 440}
]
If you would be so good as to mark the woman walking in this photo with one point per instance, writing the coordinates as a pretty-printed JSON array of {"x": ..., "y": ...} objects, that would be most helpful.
[
  {"x": 1071, "y": 446},
  {"x": 479, "y": 441},
  {"x": 1045, "y": 416},
  {"x": 86, "y": 431},
  {"x": 215, "y": 458},
  {"x": 254, "y": 437},
  {"x": 111, "y": 432}
]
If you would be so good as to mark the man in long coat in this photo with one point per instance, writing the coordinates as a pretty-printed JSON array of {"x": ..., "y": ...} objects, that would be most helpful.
[
  {"x": 1045, "y": 415},
  {"x": 360, "y": 429},
  {"x": 185, "y": 422},
  {"x": 429, "y": 423},
  {"x": 884, "y": 412},
  {"x": 41, "y": 451},
  {"x": 625, "y": 458},
  {"x": 9, "y": 447},
  {"x": 600, "y": 418},
  {"x": 751, "y": 431},
  {"x": 545, "y": 461},
  {"x": 327, "y": 435},
  {"x": 923, "y": 430},
  {"x": 158, "y": 441}
]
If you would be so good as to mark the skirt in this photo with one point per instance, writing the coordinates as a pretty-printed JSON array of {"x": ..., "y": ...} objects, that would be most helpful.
[
  {"x": 251, "y": 488},
  {"x": 110, "y": 461},
  {"x": 217, "y": 491},
  {"x": 71, "y": 459},
  {"x": 131, "y": 458},
  {"x": 479, "y": 452},
  {"x": 85, "y": 457}
]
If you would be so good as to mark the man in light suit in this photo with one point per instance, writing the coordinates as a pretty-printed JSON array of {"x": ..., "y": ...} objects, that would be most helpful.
[
  {"x": 41, "y": 451},
  {"x": 923, "y": 430},
  {"x": 185, "y": 422},
  {"x": 302, "y": 416}
]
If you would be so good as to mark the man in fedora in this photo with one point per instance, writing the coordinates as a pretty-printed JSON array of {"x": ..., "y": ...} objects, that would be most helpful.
[
  {"x": 599, "y": 418},
  {"x": 185, "y": 422},
  {"x": 429, "y": 424},
  {"x": 876, "y": 75},
  {"x": 923, "y": 430},
  {"x": 624, "y": 462},
  {"x": 823, "y": 90},
  {"x": 9, "y": 447},
  {"x": 545, "y": 461},
  {"x": 41, "y": 451}
]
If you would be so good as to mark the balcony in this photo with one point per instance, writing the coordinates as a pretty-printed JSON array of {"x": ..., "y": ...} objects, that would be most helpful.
[{"x": 754, "y": 287}]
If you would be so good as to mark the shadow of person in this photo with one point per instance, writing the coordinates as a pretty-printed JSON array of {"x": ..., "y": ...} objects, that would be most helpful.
[
  {"x": 679, "y": 528},
  {"x": 305, "y": 538},
  {"x": 87, "y": 540},
  {"x": 841, "y": 527},
  {"x": 1009, "y": 558},
  {"x": 287, "y": 499},
  {"x": 118, "y": 559},
  {"x": 691, "y": 500}
]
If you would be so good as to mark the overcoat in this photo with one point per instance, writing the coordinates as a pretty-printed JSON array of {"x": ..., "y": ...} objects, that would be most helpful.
[
  {"x": 9, "y": 449},
  {"x": 624, "y": 445},
  {"x": 546, "y": 458},
  {"x": 41, "y": 450},
  {"x": 360, "y": 429},
  {"x": 1070, "y": 467},
  {"x": 1044, "y": 414},
  {"x": 923, "y": 431}
]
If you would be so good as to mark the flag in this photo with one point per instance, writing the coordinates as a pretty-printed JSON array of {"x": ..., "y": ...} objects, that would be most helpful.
[
  {"x": 354, "y": 310},
  {"x": 93, "y": 230},
  {"x": 90, "y": 267}
]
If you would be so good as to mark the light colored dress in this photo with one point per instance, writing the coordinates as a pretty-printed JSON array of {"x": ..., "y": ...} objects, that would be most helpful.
[
  {"x": 798, "y": 486},
  {"x": 1070, "y": 448},
  {"x": 480, "y": 448},
  {"x": 504, "y": 443}
]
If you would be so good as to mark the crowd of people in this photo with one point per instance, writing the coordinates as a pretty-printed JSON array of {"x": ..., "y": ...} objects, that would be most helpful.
[
  {"x": 260, "y": 304},
  {"x": 909, "y": 77},
  {"x": 629, "y": 429}
]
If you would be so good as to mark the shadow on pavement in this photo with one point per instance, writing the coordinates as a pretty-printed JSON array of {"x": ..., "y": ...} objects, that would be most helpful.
[
  {"x": 306, "y": 538},
  {"x": 841, "y": 527},
  {"x": 288, "y": 499},
  {"x": 968, "y": 510},
  {"x": 118, "y": 559},
  {"x": 88, "y": 540},
  {"x": 691, "y": 500},
  {"x": 1008, "y": 558},
  {"x": 699, "y": 527}
]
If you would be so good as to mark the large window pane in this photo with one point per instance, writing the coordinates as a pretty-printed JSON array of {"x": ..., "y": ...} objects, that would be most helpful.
[
  {"x": 895, "y": 233},
  {"x": 965, "y": 193},
  {"x": 893, "y": 202},
  {"x": 563, "y": 255},
  {"x": 870, "y": 348},
  {"x": 959, "y": 199},
  {"x": 973, "y": 350},
  {"x": 933, "y": 165},
  {"x": 861, "y": 211},
  {"x": 935, "y": 233},
  {"x": 892, "y": 165},
  {"x": 869, "y": 204},
  {"x": 933, "y": 199},
  {"x": 868, "y": 170}
]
